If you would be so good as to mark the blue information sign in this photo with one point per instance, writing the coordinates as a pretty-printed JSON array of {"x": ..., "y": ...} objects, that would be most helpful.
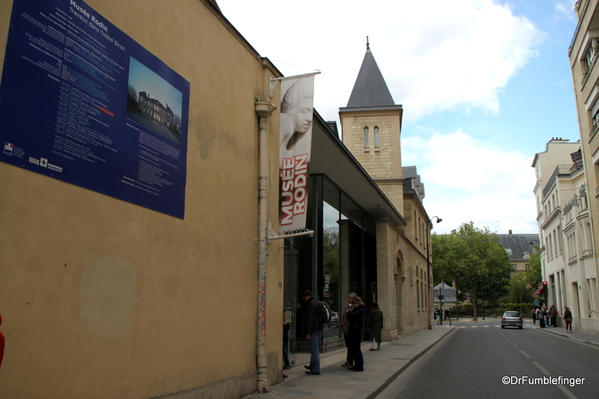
[{"x": 82, "y": 102}]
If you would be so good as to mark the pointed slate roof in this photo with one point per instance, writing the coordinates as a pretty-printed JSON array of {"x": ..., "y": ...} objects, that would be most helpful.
[{"x": 370, "y": 88}]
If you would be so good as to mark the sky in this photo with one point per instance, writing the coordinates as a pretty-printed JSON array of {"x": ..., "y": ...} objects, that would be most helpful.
[{"x": 484, "y": 85}]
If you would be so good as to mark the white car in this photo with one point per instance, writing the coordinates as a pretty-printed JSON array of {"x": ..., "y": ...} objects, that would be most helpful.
[
  {"x": 511, "y": 318},
  {"x": 334, "y": 320}
]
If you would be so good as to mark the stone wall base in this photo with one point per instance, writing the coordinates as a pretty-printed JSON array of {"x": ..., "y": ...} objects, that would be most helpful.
[
  {"x": 232, "y": 388},
  {"x": 389, "y": 335}
]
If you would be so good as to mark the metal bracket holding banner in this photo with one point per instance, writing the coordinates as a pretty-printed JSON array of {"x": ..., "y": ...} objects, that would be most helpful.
[
  {"x": 273, "y": 81},
  {"x": 272, "y": 235}
]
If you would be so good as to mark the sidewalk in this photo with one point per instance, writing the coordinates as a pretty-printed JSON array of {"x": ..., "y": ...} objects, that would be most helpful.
[
  {"x": 577, "y": 335},
  {"x": 335, "y": 382}
]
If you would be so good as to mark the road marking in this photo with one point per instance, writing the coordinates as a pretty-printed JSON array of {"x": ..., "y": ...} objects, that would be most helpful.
[
  {"x": 524, "y": 353},
  {"x": 486, "y": 326},
  {"x": 541, "y": 368},
  {"x": 565, "y": 390},
  {"x": 474, "y": 326}
]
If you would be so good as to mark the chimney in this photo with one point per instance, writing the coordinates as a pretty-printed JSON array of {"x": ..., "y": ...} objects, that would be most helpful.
[{"x": 509, "y": 232}]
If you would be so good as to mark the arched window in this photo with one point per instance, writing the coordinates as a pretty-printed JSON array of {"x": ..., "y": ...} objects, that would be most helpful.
[
  {"x": 366, "y": 142},
  {"x": 377, "y": 142}
]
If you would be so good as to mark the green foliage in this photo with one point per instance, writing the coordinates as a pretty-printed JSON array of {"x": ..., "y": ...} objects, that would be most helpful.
[
  {"x": 442, "y": 247},
  {"x": 462, "y": 310},
  {"x": 474, "y": 259},
  {"x": 331, "y": 253},
  {"x": 534, "y": 276},
  {"x": 520, "y": 291}
]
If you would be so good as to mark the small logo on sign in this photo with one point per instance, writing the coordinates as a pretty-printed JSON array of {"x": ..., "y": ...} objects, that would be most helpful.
[{"x": 8, "y": 148}]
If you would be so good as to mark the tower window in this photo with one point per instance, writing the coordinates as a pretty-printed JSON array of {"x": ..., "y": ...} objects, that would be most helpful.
[
  {"x": 366, "y": 141},
  {"x": 377, "y": 142}
]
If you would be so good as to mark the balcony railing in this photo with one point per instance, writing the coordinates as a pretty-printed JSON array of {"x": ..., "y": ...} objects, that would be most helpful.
[
  {"x": 582, "y": 9},
  {"x": 560, "y": 171}
]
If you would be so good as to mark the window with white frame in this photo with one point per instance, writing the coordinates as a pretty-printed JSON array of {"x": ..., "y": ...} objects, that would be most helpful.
[
  {"x": 590, "y": 56},
  {"x": 594, "y": 112}
]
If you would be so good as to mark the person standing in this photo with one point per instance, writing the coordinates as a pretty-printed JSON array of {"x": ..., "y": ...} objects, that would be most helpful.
[
  {"x": 533, "y": 314},
  {"x": 286, "y": 328},
  {"x": 553, "y": 316},
  {"x": 546, "y": 312},
  {"x": 356, "y": 328},
  {"x": 374, "y": 325},
  {"x": 541, "y": 317},
  {"x": 349, "y": 361},
  {"x": 313, "y": 329},
  {"x": 568, "y": 319}
]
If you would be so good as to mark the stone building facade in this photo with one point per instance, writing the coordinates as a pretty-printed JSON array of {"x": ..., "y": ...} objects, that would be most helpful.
[
  {"x": 583, "y": 54},
  {"x": 371, "y": 129},
  {"x": 567, "y": 244}
]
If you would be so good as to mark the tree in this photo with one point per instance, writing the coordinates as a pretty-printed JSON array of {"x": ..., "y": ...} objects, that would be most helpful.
[
  {"x": 442, "y": 247},
  {"x": 519, "y": 289},
  {"x": 534, "y": 276},
  {"x": 330, "y": 246},
  {"x": 331, "y": 253},
  {"x": 474, "y": 260}
]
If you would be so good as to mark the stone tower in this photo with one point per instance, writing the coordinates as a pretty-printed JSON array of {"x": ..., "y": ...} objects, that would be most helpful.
[{"x": 371, "y": 128}]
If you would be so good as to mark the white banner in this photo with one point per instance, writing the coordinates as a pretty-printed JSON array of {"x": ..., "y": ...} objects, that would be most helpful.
[{"x": 294, "y": 151}]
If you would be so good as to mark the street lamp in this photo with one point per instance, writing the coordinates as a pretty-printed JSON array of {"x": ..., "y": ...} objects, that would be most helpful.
[{"x": 428, "y": 267}]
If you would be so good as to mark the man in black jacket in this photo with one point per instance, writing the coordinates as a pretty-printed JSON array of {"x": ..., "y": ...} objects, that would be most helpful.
[{"x": 313, "y": 329}]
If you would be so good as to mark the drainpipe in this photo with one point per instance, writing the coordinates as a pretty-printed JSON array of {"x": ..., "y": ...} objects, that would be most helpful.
[{"x": 264, "y": 110}]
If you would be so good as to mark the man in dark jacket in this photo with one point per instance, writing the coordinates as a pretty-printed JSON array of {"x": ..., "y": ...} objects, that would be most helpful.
[{"x": 313, "y": 329}]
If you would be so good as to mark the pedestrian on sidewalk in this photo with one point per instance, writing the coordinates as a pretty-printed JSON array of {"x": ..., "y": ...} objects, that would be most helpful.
[
  {"x": 313, "y": 330},
  {"x": 568, "y": 319},
  {"x": 546, "y": 311},
  {"x": 349, "y": 361},
  {"x": 533, "y": 314},
  {"x": 356, "y": 329},
  {"x": 541, "y": 317},
  {"x": 553, "y": 315},
  {"x": 374, "y": 325},
  {"x": 286, "y": 328}
]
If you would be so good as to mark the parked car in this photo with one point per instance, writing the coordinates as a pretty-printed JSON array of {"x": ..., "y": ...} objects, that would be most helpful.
[
  {"x": 511, "y": 318},
  {"x": 334, "y": 323}
]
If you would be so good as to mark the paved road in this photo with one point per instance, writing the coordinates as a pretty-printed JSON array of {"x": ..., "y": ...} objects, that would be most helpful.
[{"x": 475, "y": 359}]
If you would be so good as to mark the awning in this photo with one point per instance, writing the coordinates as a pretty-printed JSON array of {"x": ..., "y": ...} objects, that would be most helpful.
[{"x": 540, "y": 291}]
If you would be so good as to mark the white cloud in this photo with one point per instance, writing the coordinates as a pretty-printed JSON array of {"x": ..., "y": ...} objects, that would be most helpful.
[
  {"x": 436, "y": 55},
  {"x": 467, "y": 179},
  {"x": 566, "y": 9}
]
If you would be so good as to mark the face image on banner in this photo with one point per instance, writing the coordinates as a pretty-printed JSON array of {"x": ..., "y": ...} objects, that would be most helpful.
[{"x": 294, "y": 151}]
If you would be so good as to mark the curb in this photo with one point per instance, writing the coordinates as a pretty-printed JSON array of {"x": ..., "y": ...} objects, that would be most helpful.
[
  {"x": 385, "y": 384},
  {"x": 584, "y": 341}
]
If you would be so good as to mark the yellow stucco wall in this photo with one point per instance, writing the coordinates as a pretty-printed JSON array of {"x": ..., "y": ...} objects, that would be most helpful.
[{"x": 101, "y": 298}]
